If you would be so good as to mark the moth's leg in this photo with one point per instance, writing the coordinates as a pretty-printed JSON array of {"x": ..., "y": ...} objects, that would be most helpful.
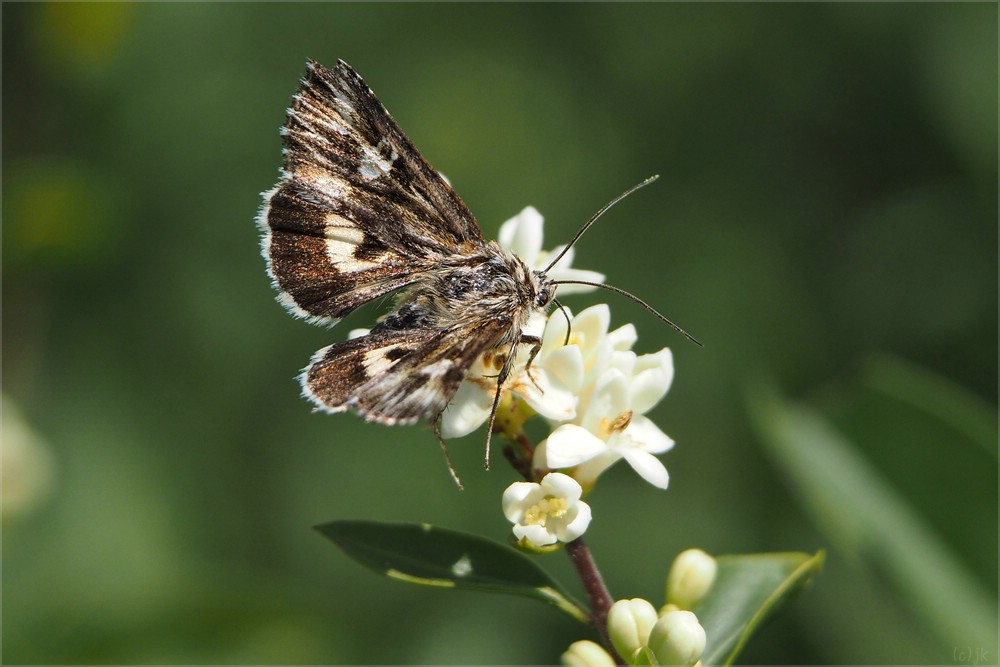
[
  {"x": 536, "y": 346},
  {"x": 493, "y": 418},
  {"x": 436, "y": 425},
  {"x": 501, "y": 378}
]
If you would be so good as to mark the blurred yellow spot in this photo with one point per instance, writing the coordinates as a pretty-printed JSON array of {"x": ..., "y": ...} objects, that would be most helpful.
[
  {"x": 56, "y": 210},
  {"x": 90, "y": 32}
]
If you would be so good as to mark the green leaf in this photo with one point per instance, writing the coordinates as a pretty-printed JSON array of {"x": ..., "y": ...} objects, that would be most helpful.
[
  {"x": 864, "y": 516},
  {"x": 748, "y": 589},
  {"x": 970, "y": 416},
  {"x": 424, "y": 554}
]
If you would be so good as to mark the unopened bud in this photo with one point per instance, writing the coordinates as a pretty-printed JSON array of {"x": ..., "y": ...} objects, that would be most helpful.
[
  {"x": 586, "y": 653},
  {"x": 677, "y": 639},
  {"x": 690, "y": 578},
  {"x": 629, "y": 625}
]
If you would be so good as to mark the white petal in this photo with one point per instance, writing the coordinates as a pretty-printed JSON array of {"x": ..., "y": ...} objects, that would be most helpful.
[
  {"x": 648, "y": 466},
  {"x": 565, "y": 366},
  {"x": 565, "y": 261},
  {"x": 587, "y": 473},
  {"x": 647, "y": 436},
  {"x": 624, "y": 337},
  {"x": 522, "y": 235},
  {"x": 562, "y": 486},
  {"x": 653, "y": 375},
  {"x": 516, "y": 497},
  {"x": 535, "y": 534},
  {"x": 592, "y": 323},
  {"x": 610, "y": 398},
  {"x": 555, "y": 330},
  {"x": 539, "y": 459},
  {"x": 624, "y": 360},
  {"x": 468, "y": 410},
  {"x": 578, "y": 526},
  {"x": 551, "y": 400},
  {"x": 575, "y": 274},
  {"x": 570, "y": 445}
]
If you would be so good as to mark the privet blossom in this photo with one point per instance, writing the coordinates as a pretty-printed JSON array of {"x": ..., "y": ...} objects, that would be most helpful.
[
  {"x": 585, "y": 381},
  {"x": 546, "y": 512}
]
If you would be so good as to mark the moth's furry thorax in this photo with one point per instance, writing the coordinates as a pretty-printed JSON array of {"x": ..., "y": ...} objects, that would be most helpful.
[{"x": 493, "y": 284}]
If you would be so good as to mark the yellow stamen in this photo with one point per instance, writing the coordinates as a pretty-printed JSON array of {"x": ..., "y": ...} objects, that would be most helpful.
[{"x": 548, "y": 507}]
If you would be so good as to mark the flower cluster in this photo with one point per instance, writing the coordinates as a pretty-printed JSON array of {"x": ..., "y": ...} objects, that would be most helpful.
[
  {"x": 590, "y": 386},
  {"x": 643, "y": 636}
]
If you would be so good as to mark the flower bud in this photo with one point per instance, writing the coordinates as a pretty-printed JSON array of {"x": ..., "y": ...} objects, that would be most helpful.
[
  {"x": 586, "y": 654},
  {"x": 677, "y": 639},
  {"x": 629, "y": 624},
  {"x": 690, "y": 578},
  {"x": 667, "y": 608}
]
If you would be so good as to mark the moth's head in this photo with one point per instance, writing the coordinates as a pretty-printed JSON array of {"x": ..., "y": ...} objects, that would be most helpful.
[{"x": 545, "y": 291}]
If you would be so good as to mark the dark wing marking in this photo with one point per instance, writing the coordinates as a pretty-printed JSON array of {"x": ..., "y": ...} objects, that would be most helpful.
[
  {"x": 397, "y": 376},
  {"x": 358, "y": 212}
]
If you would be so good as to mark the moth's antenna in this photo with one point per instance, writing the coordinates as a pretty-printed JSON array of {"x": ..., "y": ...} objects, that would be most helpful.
[
  {"x": 597, "y": 215},
  {"x": 569, "y": 323},
  {"x": 629, "y": 295}
]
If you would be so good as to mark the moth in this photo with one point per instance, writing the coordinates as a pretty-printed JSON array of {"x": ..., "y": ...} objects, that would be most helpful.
[{"x": 359, "y": 214}]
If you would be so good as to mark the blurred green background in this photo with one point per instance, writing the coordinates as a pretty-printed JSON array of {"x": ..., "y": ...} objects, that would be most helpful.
[{"x": 826, "y": 223}]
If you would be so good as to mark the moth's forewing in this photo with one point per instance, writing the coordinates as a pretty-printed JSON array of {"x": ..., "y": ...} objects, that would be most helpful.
[{"x": 358, "y": 212}]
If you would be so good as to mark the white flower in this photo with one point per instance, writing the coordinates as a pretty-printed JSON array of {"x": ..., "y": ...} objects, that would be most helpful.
[
  {"x": 677, "y": 639},
  {"x": 522, "y": 235},
  {"x": 609, "y": 428},
  {"x": 547, "y": 512},
  {"x": 619, "y": 386},
  {"x": 691, "y": 576},
  {"x": 635, "y": 439}
]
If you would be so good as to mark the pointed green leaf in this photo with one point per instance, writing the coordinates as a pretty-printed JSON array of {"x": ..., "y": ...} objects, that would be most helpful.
[
  {"x": 748, "y": 589},
  {"x": 864, "y": 515},
  {"x": 970, "y": 416},
  {"x": 424, "y": 554}
]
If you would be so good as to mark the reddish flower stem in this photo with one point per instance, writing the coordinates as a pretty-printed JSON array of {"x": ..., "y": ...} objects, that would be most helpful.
[{"x": 597, "y": 592}]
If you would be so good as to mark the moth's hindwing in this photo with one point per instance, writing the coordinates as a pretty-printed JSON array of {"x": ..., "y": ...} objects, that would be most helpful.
[
  {"x": 396, "y": 376},
  {"x": 358, "y": 212}
]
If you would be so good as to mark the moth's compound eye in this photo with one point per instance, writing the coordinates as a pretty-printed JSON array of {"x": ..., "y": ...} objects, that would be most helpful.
[{"x": 545, "y": 295}]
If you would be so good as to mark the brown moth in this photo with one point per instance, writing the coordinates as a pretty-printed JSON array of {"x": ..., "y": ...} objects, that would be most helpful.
[{"x": 359, "y": 214}]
